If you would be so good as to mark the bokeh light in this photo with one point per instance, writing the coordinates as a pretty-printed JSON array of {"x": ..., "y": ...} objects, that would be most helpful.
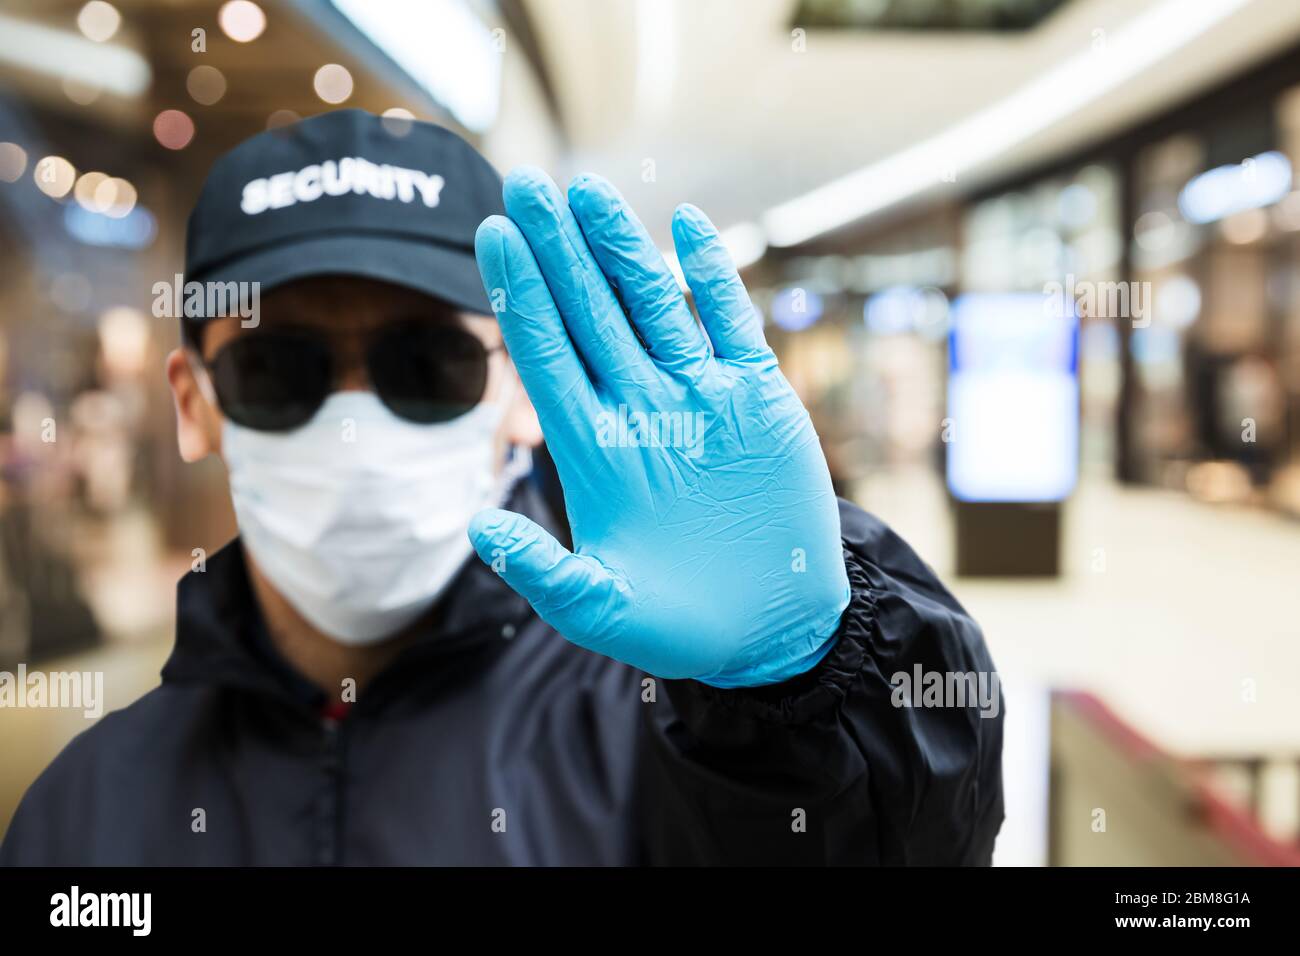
[
  {"x": 54, "y": 176},
  {"x": 83, "y": 94},
  {"x": 206, "y": 85},
  {"x": 135, "y": 229},
  {"x": 241, "y": 20},
  {"x": 84, "y": 191},
  {"x": 281, "y": 118},
  {"x": 173, "y": 129},
  {"x": 13, "y": 162},
  {"x": 333, "y": 83},
  {"x": 1243, "y": 228},
  {"x": 124, "y": 339},
  {"x": 397, "y": 120},
  {"x": 115, "y": 197},
  {"x": 98, "y": 20}
]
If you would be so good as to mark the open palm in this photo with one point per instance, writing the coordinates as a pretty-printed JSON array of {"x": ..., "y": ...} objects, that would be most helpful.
[{"x": 705, "y": 529}]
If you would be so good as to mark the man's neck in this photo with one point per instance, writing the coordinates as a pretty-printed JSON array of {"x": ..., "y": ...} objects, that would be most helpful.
[{"x": 325, "y": 662}]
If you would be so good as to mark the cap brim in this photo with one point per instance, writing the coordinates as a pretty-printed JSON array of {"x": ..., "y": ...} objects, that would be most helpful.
[{"x": 444, "y": 272}]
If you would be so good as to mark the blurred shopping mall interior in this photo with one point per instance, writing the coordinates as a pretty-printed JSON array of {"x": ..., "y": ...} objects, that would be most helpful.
[{"x": 1072, "y": 226}]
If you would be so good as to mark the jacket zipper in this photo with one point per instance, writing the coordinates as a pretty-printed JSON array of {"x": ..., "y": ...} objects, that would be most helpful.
[{"x": 329, "y": 843}]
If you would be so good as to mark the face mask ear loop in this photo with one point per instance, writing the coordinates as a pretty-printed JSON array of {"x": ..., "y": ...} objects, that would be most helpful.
[
  {"x": 506, "y": 395},
  {"x": 200, "y": 372},
  {"x": 519, "y": 459}
]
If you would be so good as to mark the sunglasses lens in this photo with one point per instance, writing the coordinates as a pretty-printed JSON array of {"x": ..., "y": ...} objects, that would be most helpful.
[
  {"x": 429, "y": 373},
  {"x": 271, "y": 382}
]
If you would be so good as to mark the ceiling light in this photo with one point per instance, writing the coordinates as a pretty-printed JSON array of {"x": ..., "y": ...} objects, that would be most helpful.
[
  {"x": 99, "y": 20},
  {"x": 54, "y": 176},
  {"x": 84, "y": 191},
  {"x": 281, "y": 118},
  {"x": 13, "y": 162},
  {"x": 333, "y": 83},
  {"x": 1216, "y": 193},
  {"x": 205, "y": 84},
  {"x": 241, "y": 20},
  {"x": 443, "y": 46},
  {"x": 66, "y": 55},
  {"x": 173, "y": 129}
]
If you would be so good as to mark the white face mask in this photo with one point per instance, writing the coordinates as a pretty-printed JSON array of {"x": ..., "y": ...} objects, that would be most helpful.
[{"x": 359, "y": 518}]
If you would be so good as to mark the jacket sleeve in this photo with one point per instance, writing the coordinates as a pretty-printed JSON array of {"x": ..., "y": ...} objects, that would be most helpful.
[{"x": 865, "y": 759}]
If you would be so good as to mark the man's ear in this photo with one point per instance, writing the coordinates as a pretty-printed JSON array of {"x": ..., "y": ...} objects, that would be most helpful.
[
  {"x": 520, "y": 425},
  {"x": 198, "y": 431}
]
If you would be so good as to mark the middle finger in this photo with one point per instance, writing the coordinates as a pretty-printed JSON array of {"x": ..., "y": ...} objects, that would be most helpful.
[{"x": 591, "y": 312}]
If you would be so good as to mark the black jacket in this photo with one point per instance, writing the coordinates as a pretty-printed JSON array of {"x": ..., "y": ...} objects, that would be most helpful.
[{"x": 495, "y": 741}]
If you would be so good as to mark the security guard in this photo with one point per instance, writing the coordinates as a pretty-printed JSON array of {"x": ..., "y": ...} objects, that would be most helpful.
[{"x": 706, "y": 676}]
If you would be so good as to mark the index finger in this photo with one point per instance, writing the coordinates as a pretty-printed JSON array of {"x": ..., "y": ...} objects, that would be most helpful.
[
  {"x": 593, "y": 315},
  {"x": 548, "y": 365}
]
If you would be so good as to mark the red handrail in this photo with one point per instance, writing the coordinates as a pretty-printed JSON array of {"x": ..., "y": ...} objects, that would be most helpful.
[{"x": 1234, "y": 826}]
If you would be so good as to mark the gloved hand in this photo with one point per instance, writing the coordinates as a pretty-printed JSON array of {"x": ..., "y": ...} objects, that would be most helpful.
[{"x": 707, "y": 535}]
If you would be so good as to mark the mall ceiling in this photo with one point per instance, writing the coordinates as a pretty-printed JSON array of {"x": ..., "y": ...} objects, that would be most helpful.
[
  {"x": 162, "y": 32},
  {"x": 740, "y": 113},
  {"x": 732, "y": 105}
]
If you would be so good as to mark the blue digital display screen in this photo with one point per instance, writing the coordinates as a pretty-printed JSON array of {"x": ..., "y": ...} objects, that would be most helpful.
[{"x": 1012, "y": 432}]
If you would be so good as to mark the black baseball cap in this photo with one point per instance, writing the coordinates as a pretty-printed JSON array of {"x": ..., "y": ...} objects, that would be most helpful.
[{"x": 347, "y": 193}]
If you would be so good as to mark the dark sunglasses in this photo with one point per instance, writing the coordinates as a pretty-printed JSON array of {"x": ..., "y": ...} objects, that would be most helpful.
[{"x": 424, "y": 372}]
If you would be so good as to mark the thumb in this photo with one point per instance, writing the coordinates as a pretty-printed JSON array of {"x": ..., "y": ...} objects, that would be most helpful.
[{"x": 573, "y": 593}]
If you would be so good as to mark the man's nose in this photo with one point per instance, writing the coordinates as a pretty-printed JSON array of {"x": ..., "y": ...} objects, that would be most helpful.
[{"x": 350, "y": 369}]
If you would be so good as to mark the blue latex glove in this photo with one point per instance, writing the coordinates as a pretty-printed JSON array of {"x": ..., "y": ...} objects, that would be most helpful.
[{"x": 708, "y": 539}]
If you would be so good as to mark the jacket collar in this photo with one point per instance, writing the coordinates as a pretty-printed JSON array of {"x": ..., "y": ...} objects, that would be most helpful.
[{"x": 221, "y": 637}]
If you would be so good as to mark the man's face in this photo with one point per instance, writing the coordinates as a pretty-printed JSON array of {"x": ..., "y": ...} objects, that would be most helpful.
[{"x": 347, "y": 313}]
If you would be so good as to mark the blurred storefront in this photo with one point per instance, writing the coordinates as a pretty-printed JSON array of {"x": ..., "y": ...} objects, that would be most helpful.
[
  {"x": 860, "y": 326},
  {"x": 1179, "y": 243},
  {"x": 1214, "y": 233}
]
